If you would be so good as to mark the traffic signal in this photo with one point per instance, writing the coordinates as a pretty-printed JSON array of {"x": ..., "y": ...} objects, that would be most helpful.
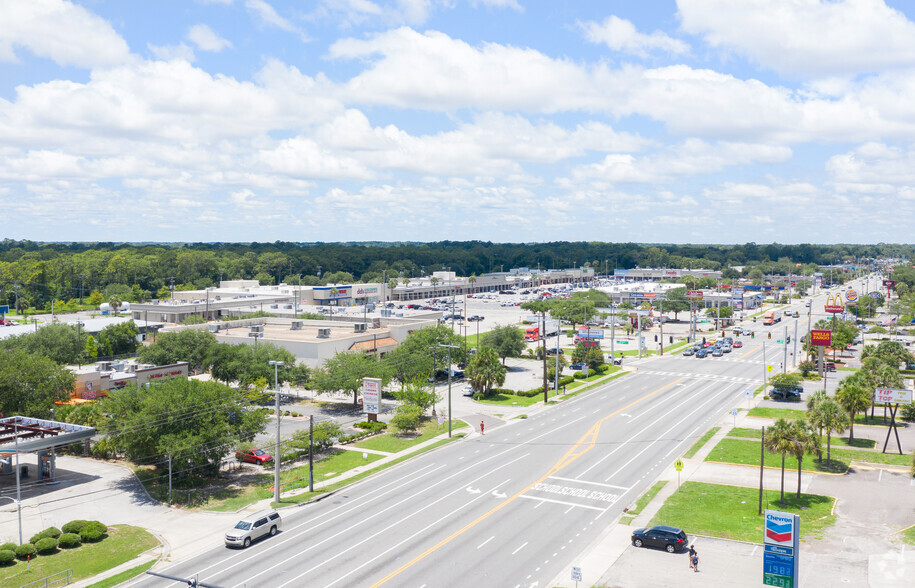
[
  {"x": 655, "y": 338},
  {"x": 671, "y": 339},
  {"x": 770, "y": 335}
]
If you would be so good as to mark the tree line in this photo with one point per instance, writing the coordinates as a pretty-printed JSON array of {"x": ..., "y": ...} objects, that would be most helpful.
[{"x": 34, "y": 274}]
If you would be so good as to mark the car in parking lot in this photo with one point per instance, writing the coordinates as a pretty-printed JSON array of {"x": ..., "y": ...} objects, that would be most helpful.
[
  {"x": 670, "y": 538},
  {"x": 578, "y": 366},
  {"x": 252, "y": 528},
  {"x": 792, "y": 393},
  {"x": 689, "y": 351},
  {"x": 737, "y": 344},
  {"x": 475, "y": 318}
]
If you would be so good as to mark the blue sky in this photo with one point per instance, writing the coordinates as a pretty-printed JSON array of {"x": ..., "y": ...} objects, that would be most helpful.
[{"x": 689, "y": 121}]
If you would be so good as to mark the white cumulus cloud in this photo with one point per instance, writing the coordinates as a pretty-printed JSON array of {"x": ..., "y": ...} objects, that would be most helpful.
[
  {"x": 621, "y": 35},
  {"x": 61, "y": 31},
  {"x": 207, "y": 40}
]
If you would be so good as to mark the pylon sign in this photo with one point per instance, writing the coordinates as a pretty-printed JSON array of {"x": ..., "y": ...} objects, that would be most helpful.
[{"x": 834, "y": 304}]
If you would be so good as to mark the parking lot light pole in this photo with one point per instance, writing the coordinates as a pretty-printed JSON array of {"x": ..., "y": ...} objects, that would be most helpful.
[{"x": 277, "y": 455}]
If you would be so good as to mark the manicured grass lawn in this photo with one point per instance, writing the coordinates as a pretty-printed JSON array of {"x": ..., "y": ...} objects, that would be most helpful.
[
  {"x": 908, "y": 536},
  {"x": 337, "y": 462},
  {"x": 791, "y": 414},
  {"x": 626, "y": 520},
  {"x": 702, "y": 441},
  {"x": 306, "y": 496},
  {"x": 836, "y": 441},
  {"x": 123, "y": 543},
  {"x": 730, "y": 512},
  {"x": 123, "y": 576},
  {"x": 747, "y": 453},
  {"x": 643, "y": 500},
  {"x": 514, "y": 399},
  {"x": 394, "y": 442},
  {"x": 594, "y": 385},
  {"x": 872, "y": 456},
  {"x": 776, "y": 413}
]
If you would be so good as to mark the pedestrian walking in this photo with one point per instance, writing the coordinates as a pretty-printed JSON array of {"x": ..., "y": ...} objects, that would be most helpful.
[
  {"x": 481, "y": 427},
  {"x": 692, "y": 554},
  {"x": 694, "y": 560}
]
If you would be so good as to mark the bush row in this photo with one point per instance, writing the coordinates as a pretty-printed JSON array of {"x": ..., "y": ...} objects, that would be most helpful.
[
  {"x": 372, "y": 426},
  {"x": 47, "y": 542},
  {"x": 563, "y": 381}
]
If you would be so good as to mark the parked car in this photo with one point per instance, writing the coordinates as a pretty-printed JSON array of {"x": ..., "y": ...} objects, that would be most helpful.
[
  {"x": 252, "y": 528},
  {"x": 792, "y": 393},
  {"x": 552, "y": 351},
  {"x": 830, "y": 367},
  {"x": 475, "y": 318},
  {"x": 258, "y": 456},
  {"x": 578, "y": 366},
  {"x": 670, "y": 538}
]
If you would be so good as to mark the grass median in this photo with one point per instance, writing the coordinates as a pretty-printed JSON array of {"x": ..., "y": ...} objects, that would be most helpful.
[
  {"x": 124, "y": 542},
  {"x": 730, "y": 512},
  {"x": 746, "y": 452},
  {"x": 836, "y": 441},
  {"x": 795, "y": 414}
]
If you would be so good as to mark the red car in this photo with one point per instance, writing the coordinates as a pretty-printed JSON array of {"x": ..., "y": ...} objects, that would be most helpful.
[
  {"x": 254, "y": 456},
  {"x": 737, "y": 344}
]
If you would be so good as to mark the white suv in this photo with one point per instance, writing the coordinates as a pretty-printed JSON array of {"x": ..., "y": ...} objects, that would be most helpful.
[{"x": 253, "y": 528}]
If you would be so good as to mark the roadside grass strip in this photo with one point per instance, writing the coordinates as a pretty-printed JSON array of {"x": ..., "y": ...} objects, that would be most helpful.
[
  {"x": 746, "y": 452},
  {"x": 514, "y": 399},
  {"x": 394, "y": 442},
  {"x": 701, "y": 442},
  {"x": 123, "y": 576},
  {"x": 907, "y": 535},
  {"x": 794, "y": 414},
  {"x": 644, "y": 499},
  {"x": 307, "y": 496},
  {"x": 836, "y": 441},
  {"x": 730, "y": 512},
  {"x": 592, "y": 386},
  {"x": 337, "y": 462},
  {"x": 124, "y": 542}
]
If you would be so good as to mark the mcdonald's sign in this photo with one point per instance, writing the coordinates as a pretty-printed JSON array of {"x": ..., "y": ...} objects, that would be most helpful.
[
  {"x": 834, "y": 304},
  {"x": 821, "y": 338}
]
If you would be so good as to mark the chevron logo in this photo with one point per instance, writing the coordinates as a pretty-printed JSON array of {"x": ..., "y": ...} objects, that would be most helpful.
[{"x": 779, "y": 529}]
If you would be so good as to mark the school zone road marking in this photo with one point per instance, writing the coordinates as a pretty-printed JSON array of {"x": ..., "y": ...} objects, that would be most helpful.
[{"x": 584, "y": 445}]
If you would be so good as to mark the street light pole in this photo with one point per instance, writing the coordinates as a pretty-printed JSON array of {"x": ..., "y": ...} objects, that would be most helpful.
[
  {"x": 450, "y": 347},
  {"x": 277, "y": 455},
  {"x": 18, "y": 490}
]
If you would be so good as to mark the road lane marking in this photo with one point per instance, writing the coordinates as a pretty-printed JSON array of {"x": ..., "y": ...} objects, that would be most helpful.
[
  {"x": 485, "y": 542},
  {"x": 588, "y": 482},
  {"x": 520, "y": 548},
  {"x": 588, "y": 441},
  {"x": 554, "y": 501}
]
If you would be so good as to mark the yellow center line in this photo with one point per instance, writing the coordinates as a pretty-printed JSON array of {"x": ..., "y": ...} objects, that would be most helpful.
[{"x": 582, "y": 446}]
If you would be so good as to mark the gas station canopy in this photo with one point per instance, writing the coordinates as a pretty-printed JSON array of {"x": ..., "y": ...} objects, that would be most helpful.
[{"x": 38, "y": 434}]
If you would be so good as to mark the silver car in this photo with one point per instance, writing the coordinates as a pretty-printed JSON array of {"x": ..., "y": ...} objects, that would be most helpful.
[{"x": 254, "y": 527}]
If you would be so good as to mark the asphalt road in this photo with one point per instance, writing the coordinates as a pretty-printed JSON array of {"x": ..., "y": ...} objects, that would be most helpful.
[{"x": 511, "y": 508}]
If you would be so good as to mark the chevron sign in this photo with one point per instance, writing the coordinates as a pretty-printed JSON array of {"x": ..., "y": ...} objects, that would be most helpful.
[
  {"x": 780, "y": 528},
  {"x": 780, "y": 556}
]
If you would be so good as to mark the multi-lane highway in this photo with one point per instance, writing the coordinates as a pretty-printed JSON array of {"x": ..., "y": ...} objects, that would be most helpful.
[{"x": 510, "y": 508}]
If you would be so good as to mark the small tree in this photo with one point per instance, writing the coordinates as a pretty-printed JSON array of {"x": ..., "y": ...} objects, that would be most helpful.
[
  {"x": 484, "y": 370},
  {"x": 779, "y": 439},
  {"x": 407, "y": 417},
  {"x": 593, "y": 356},
  {"x": 506, "y": 340},
  {"x": 830, "y": 417},
  {"x": 806, "y": 367},
  {"x": 416, "y": 394},
  {"x": 854, "y": 397}
]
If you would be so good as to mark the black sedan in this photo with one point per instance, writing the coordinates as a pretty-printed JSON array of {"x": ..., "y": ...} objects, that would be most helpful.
[{"x": 670, "y": 538}]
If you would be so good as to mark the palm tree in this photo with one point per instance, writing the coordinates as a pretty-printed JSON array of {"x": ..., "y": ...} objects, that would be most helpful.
[
  {"x": 434, "y": 281},
  {"x": 813, "y": 401},
  {"x": 830, "y": 417},
  {"x": 854, "y": 397},
  {"x": 485, "y": 371},
  {"x": 779, "y": 439},
  {"x": 473, "y": 280},
  {"x": 804, "y": 440}
]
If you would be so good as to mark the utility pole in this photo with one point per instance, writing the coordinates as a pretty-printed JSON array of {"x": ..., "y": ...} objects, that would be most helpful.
[
  {"x": 277, "y": 457},
  {"x": 82, "y": 282},
  {"x": 450, "y": 347},
  {"x": 311, "y": 459},
  {"x": 543, "y": 338},
  {"x": 661, "y": 321},
  {"x": 785, "y": 342}
]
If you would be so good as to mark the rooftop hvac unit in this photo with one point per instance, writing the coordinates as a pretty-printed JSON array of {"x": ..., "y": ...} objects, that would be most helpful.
[
  {"x": 104, "y": 366},
  {"x": 324, "y": 333},
  {"x": 296, "y": 325},
  {"x": 360, "y": 327},
  {"x": 257, "y": 328}
]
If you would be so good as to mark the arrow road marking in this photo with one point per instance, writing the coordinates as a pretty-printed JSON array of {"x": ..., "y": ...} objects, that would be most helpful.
[
  {"x": 499, "y": 494},
  {"x": 473, "y": 490}
]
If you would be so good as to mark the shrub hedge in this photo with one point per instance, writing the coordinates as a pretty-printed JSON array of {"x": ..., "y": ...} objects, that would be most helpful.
[
  {"x": 25, "y": 550},
  {"x": 75, "y": 526},
  {"x": 46, "y": 545},
  {"x": 8, "y": 547},
  {"x": 7, "y": 556},
  {"x": 68, "y": 540},
  {"x": 371, "y": 425}
]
